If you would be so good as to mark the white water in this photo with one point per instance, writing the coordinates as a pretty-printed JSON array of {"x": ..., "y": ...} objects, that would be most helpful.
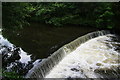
[
  {"x": 4, "y": 42},
  {"x": 24, "y": 57},
  {"x": 88, "y": 57}
]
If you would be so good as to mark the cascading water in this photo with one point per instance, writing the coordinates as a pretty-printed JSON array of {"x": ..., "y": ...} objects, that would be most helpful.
[
  {"x": 89, "y": 56},
  {"x": 13, "y": 58},
  {"x": 4, "y": 44}
]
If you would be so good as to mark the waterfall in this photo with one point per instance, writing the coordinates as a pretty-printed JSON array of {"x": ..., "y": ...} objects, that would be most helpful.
[
  {"x": 88, "y": 60},
  {"x": 39, "y": 71},
  {"x": 60, "y": 62}
]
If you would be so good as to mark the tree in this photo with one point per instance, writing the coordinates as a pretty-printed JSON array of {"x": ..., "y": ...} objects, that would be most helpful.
[{"x": 15, "y": 14}]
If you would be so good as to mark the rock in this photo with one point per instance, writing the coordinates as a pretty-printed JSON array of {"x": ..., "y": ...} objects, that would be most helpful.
[{"x": 74, "y": 69}]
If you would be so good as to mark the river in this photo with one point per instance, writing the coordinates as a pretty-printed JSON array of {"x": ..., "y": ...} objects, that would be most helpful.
[
  {"x": 41, "y": 40},
  {"x": 23, "y": 49}
]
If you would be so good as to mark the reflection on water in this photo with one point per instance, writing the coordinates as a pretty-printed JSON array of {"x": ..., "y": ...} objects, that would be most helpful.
[
  {"x": 98, "y": 55},
  {"x": 40, "y": 40}
]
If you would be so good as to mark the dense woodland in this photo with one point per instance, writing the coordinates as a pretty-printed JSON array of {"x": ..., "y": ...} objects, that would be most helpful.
[{"x": 101, "y": 15}]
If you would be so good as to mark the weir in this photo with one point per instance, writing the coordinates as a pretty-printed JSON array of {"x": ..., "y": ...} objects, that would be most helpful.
[
  {"x": 44, "y": 68},
  {"x": 0, "y": 31}
]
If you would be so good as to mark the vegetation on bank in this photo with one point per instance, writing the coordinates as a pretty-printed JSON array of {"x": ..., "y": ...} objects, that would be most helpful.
[{"x": 101, "y": 15}]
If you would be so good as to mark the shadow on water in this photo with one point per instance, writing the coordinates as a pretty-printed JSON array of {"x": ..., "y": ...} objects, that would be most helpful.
[{"x": 41, "y": 40}]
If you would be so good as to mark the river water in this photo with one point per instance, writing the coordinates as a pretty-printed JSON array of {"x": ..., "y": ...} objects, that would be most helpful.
[
  {"x": 96, "y": 58},
  {"x": 41, "y": 40}
]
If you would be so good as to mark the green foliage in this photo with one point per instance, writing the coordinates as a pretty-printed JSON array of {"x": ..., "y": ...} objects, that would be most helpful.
[
  {"x": 14, "y": 14},
  {"x": 116, "y": 11},
  {"x": 101, "y": 15},
  {"x": 11, "y": 75},
  {"x": 105, "y": 17},
  {"x": 93, "y": 14},
  {"x": 59, "y": 14}
]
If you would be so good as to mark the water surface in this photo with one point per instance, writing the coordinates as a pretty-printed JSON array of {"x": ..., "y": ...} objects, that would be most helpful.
[{"x": 41, "y": 40}]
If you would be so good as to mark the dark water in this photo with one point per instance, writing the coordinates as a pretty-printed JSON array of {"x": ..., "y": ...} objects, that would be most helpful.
[{"x": 41, "y": 40}]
